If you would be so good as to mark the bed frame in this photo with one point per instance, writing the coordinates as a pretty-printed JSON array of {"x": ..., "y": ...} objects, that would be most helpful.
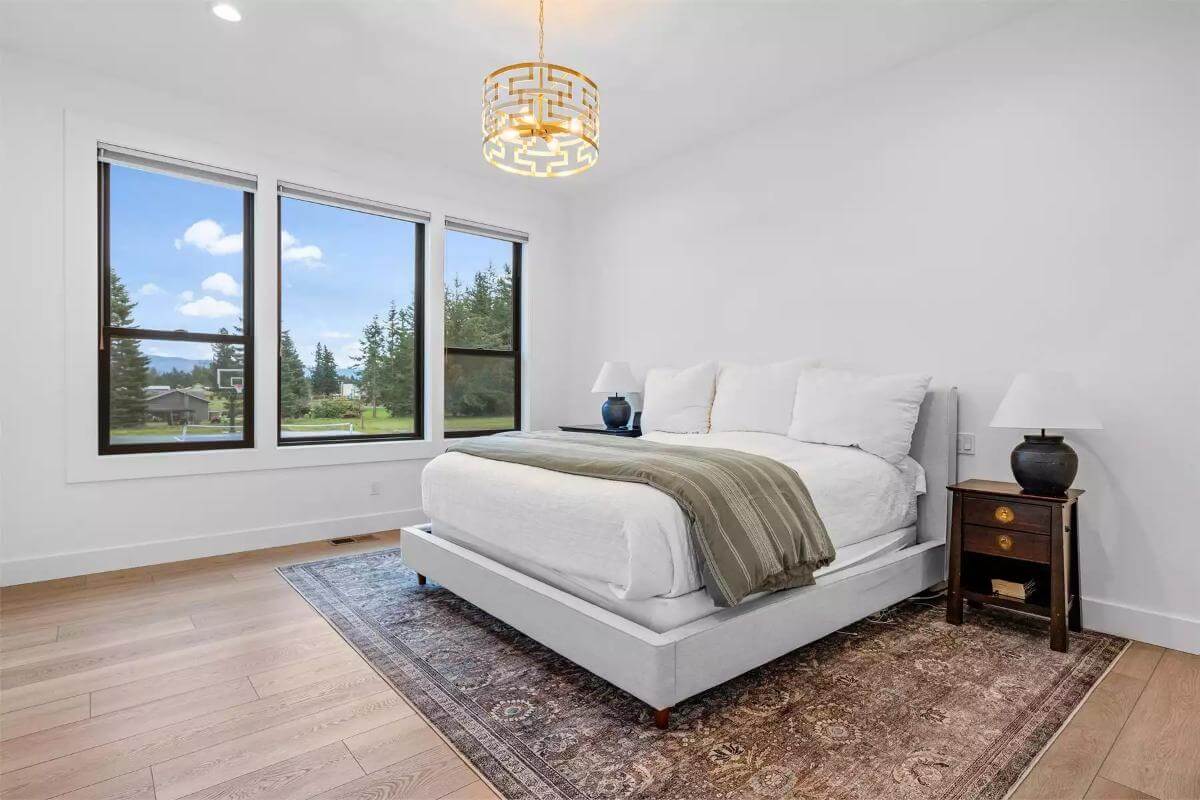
[{"x": 663, "y": 669}]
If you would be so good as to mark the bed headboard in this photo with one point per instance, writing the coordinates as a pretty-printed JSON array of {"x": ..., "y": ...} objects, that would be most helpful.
[{"x": 935, "y": 447}]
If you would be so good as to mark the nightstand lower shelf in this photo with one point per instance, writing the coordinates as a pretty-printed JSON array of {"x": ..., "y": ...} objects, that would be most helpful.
[{"x": 988, "y": 599}]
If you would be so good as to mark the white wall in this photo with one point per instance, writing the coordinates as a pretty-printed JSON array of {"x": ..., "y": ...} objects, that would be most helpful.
[
  {"x": 54, "y": 525},
  {"x": 1027, "y": 200}
]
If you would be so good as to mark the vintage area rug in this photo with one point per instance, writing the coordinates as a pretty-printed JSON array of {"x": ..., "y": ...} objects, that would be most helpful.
[{"x": 901, "y": 705}]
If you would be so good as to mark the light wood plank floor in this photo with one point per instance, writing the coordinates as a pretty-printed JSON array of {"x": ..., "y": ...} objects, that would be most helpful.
[{"x": 212, "y": 679}]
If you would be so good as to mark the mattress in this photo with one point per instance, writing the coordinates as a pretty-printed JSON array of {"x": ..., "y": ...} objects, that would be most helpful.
[
  {"x": 662, "y": 614},
  {"x": 631, "y": 539}
]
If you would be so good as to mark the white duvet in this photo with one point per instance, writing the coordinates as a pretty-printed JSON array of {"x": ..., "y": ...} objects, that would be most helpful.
[{"x": 635, "y": 538}]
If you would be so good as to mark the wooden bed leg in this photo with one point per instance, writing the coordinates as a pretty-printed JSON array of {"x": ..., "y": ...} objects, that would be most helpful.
[
  {"x": 420, "y": 579},
  {"x": 662, "y": 718}
]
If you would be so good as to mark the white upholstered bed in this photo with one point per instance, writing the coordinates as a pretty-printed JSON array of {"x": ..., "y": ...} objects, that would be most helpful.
[{"x": 603, "y": 572}]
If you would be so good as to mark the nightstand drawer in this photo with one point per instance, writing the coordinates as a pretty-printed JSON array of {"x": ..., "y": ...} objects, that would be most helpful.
[
  {"x": 1010, "y": 544},
  {"x": 1001, "y": 514}
]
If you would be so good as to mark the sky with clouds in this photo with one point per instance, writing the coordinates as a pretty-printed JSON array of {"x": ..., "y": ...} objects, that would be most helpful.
[{"x": 177, "y": 245}]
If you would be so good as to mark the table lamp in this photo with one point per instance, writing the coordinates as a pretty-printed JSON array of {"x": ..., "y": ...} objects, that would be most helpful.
[
  {"x": 1045, "y": 464},
  {"x": 614, "y": 380}
]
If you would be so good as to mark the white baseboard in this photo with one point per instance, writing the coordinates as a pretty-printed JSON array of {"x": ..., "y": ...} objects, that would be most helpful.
[
  {"x": 1154, "y": 627},
  {"x": 86, "y": 562}
]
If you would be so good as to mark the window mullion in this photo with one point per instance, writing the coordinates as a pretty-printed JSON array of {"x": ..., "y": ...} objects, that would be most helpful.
[
  {"x": 476, "y": 351},
  {"x": 177, "y": 336}
]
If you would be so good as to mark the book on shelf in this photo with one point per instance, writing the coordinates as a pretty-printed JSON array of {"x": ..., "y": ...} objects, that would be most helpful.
[{"x": 1014, "y": 589}]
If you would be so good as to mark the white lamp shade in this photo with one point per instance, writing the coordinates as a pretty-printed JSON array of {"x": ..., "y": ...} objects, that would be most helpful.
[
  {"x": 1045, "y": 400},
  {"x": 615, "y": 378}
]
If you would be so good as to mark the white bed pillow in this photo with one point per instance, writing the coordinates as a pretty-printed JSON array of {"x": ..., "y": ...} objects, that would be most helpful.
[
  {"x": 876, "y": 413},
  {"x": 757, "y": 398},
  {"x": 678, "y": 400}
]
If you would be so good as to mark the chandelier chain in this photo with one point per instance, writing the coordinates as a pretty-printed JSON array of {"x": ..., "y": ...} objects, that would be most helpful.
[{"x": 541, "y": 30}]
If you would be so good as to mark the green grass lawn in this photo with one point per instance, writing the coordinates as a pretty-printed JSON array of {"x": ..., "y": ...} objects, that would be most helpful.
[
  {"x": 161, "y": 430},
  {"x": 380, "y": 423},
  {"x": 383, "y": 422}
]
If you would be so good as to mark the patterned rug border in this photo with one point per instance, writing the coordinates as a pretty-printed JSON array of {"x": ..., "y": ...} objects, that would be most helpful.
[
  {"x": 1067, "y": 721},
  {"x": 283, "y": 573},
  {"x": 338, "y": 615}
]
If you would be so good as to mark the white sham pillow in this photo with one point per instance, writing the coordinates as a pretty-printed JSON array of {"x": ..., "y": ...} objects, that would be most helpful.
[
  {"x": 757, "y": 398},
  {"x": 876, "y": 413},
  {"x": 678, "y": 400}
]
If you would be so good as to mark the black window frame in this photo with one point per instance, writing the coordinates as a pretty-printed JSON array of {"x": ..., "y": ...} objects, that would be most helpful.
[
  {"x": 514, "y": 353},
  {"x": 108, "y": 332},
  {"x": 418, "y": 432}
]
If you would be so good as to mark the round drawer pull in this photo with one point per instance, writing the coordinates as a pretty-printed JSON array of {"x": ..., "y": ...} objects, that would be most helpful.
[
  {"x": 1005, "y": 514},
  {"x": 1005, "y": 542}
]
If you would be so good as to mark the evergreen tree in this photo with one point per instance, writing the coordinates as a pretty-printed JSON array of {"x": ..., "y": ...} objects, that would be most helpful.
[
  {"x": 398, "y": 361},
  {"x": 129, "y": 368},
  {"x": 480, "y": 316},
  {"x": 455, "y": 315},
  {"x": 325, "y": 379},
  {"x": 370, "y": 363},
  {"x": 293, "y": 385},
  {"x": 226, "y": 357},
  {"x": 502, "y": 308}
]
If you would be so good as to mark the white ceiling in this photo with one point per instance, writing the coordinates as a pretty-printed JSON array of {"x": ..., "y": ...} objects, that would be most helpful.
[{"x": 405, "y": 76}]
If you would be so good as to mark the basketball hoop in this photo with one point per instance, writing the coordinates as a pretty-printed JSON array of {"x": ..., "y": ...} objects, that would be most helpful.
[{"x": 231, "y": 378}]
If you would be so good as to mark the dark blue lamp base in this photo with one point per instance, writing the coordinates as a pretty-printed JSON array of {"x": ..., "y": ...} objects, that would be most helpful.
[{"x": 616, "y": 412}]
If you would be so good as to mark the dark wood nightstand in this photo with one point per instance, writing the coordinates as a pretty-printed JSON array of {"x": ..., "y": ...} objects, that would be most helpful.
[
  {"x": 998, "y": 530},
  {"x": 632, "y": 433}
]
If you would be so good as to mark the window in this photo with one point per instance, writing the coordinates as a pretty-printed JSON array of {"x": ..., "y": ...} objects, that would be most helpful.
[
  {"x": 175, "y": 307},
  {"x": 351, "y": 291},
  {"x": 483, "y": 329}
]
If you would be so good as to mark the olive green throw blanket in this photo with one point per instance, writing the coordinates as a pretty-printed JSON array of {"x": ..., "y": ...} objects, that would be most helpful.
[{"x": 751, "y": 517}]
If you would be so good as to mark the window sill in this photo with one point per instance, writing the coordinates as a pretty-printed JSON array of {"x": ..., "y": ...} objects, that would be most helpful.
[{"x": 97, "y": 468}]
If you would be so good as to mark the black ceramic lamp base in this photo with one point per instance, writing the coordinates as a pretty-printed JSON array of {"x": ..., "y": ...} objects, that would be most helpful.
[
  {"x": 616, "y": 412},
  {"x": 1044, "y": 465}
]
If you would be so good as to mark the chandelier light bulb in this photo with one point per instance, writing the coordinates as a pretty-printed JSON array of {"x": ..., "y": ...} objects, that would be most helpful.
[
  {"x": 226, "y": 11},
  {"x": 510, "y": 134}
]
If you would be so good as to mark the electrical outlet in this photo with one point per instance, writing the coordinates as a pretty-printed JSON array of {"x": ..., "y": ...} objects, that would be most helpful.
[
  {"x": 375, "y": 488},
  {"x": 966, "y": 444}
]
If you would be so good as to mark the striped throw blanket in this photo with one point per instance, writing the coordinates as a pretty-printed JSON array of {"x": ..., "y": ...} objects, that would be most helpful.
[{"x": 751, "y": 517}]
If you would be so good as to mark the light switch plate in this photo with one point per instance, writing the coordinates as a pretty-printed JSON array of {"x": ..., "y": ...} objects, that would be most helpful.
[{"x": 966, "y": 444}]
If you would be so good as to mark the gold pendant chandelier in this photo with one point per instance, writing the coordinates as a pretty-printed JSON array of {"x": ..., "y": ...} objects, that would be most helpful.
[{"x": 541, "y": 119}]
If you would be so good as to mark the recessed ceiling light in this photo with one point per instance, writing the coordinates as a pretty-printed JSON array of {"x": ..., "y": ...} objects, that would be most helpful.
[{"x": 227, "y": 12}]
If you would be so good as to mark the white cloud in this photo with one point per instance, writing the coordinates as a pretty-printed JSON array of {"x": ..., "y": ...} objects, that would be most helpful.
[
  {"x": 149, "y": 289},
  {"x": 187, "y": 295},
  {"x": 348, "y": 352},
  {"x": 292, "y": 251},
  {"x": 209, "y": 307},
  {"x": 210, "y": 237},
  {"x": 336, "y": 335},
  {"x": 223, "y": 283}
]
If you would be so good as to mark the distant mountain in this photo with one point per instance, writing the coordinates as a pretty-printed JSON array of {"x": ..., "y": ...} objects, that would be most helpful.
[{"x": 168, "y": 363}]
